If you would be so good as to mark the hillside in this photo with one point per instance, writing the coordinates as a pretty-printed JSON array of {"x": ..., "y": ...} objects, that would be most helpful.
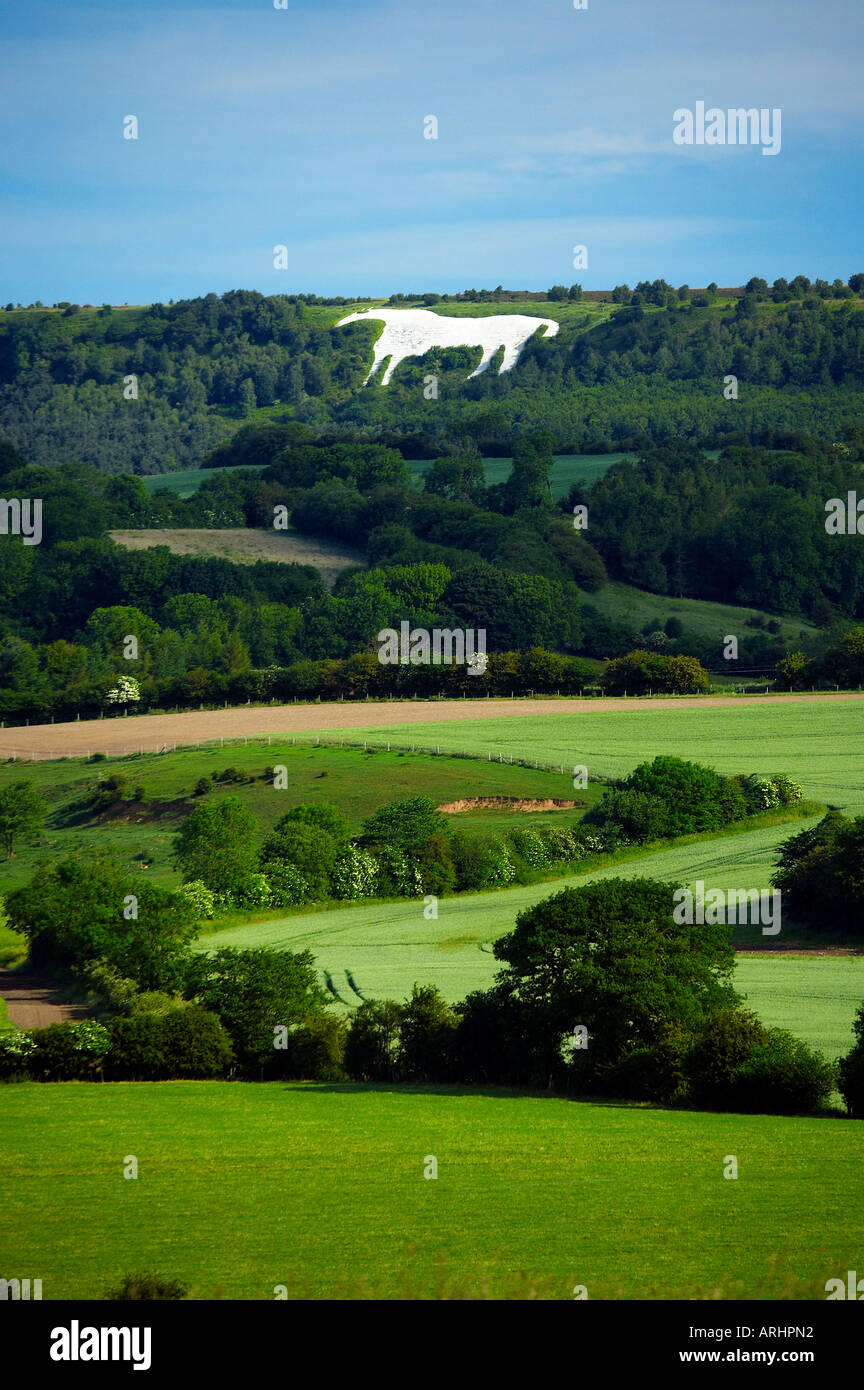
[{"x": 616, "y": 374}]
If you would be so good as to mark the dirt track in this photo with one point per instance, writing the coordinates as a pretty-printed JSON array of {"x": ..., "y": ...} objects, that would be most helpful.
[
  {"x": 155, "y": 732},
  {"x": 32, "y": 1002}
]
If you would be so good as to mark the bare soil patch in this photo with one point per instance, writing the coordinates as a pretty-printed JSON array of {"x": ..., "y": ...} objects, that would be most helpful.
[
  {"x": 506, "y": 803},
  {"x": 33, "y": 1002},
  {"x": 157, "y": 733}
]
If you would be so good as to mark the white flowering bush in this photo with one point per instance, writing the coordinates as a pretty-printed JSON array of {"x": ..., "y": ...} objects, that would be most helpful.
[
  {"x": 531, "y": 847},
  {"x": 288, "y": 887},
  {"x": 397, "y": 875},
  {"x": 202, "y": 898},
  {"x": 356, "y": 874},
  {"x": 560, "y": 844},
  {"x": 15, "y": 1048},
  {"x": 788, "y": 791},
  {"x": 503, "y": 869},
  {"x": 127, "y": 691},
  {"x": 760, "y": 792}
]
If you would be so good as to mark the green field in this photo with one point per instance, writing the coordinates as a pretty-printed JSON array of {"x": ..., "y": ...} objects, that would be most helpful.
[
  {"x": 567, "y": 470},
  {"x": 819, "y": 743},
  {"x": 382, "y": 950},
  {"x": 701, "y": 618},
  {"x": 320, "y": 1188},
  {"x": 186, "y": 481}
]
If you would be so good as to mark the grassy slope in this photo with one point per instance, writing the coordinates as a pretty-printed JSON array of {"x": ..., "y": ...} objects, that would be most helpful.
[
  {"x": 242, "y": 1188},
  {"x": 700, "y": 617},
  {"x": 355, "y": 781}
]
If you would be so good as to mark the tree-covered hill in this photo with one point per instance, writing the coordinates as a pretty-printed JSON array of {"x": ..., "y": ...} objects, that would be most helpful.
[{"x": 150, "y": 389}]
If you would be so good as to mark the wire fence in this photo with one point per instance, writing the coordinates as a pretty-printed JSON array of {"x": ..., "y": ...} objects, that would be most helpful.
[
  {"x": 276, "y": 741},
  {"x": 136, "y": 749}
]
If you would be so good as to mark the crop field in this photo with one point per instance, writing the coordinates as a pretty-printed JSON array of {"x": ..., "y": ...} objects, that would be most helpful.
[
  {"x": 819, "y": 743},
  {"x": 242, "y": 1188},
  {"x": 381, "y": 950}
]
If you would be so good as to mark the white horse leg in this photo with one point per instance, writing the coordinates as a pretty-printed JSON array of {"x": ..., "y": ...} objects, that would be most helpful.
[
  {"x": 488, "y": 354},
  {"x": 395, "y": 358},
  {"x": 511, "y": 356},
  {"x": 376, "y": 363}
]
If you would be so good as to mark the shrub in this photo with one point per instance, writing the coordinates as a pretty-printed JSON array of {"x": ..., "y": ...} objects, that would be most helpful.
[
  {"x": 481, "y": 862},
  {"x": 647, "y": 1073},
  {"x": 355, "y": 874},
  {"x": 254, "y": 993},
  {"x": 216, "y": 843},
  {"x": 821, "y": 874},
  {"x": 696, "y": 798},
  {"x": 202, "y": 898},
  {"x": 316, "y": 1049},
  {"x": 71, "y": 912},
  {"x": 398, "y": 876},
  {"x": 725, "y": 1040},
  {"x": 108, "y": 791},
  {"x": 68, "y": 1051},
  {"x": 183, "y": 1042},
  {"x": 288, "y": 887},
  {"x": 203, "y": 786},
  {"x": 16, "y": 1047},
  {"x": 253, "y": 890},
  {"x": 322, "y": 815},
  {"x": 788, "y": 791},
  {"x": 434, "y": 859},
  {"x": 759, "y": 792},
  {"x": 530, "y": 847},
  {"x": 404, "y": 824},
  {"x": 372, "y": 1045},
  {"x": 639, "y": 815},
  {"x": 145, "y": 1287},
  {"x": 426, "y": 1035},
  {"x": 782, "y": 1076},
  {"x": 641, "y": 671},
  {"x": 560, "y": 844},
  {"x": 851, "y": 1069},
  {"x": 311, "y": 850}
]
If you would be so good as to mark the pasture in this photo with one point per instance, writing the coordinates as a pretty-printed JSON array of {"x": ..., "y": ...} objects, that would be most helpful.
[
  {"x": 320, "y": 1188},
  {"x": 700, "y": 618}
]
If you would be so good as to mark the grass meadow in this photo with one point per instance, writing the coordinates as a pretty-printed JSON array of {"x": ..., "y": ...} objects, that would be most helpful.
[{"x": 243, "y": 1188}]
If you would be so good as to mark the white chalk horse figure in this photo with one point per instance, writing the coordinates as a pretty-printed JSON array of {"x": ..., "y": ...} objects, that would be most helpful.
[{"x": 412, "y": 332}]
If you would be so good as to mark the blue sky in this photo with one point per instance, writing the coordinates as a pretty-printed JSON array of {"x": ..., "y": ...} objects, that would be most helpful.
[{"x": 304, "y": 127}]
